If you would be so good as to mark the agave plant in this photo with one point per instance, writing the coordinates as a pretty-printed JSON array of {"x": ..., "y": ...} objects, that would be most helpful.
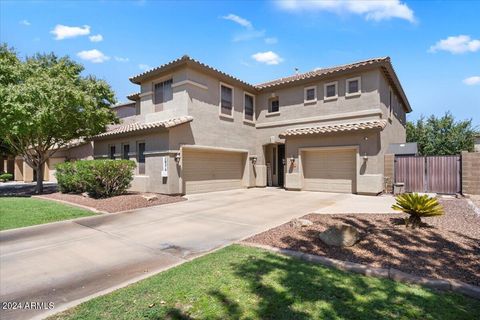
[{"x": 417, "y": 206}]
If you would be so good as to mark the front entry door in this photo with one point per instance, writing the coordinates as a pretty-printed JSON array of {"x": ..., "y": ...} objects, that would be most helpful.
[{"x": 281, "y": 164}]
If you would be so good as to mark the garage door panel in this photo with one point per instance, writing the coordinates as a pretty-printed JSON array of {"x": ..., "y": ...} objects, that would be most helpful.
[
  {"x": 329, "y": 170},
  {"x": 212, "y": 171}
]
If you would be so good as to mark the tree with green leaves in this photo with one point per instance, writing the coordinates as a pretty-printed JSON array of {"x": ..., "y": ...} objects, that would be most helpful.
[
  {"x": 439, "y": 136},
  {"x": 46, "y": 102}
]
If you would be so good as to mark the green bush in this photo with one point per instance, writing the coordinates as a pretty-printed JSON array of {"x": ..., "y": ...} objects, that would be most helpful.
[
  {"x": 67, "y": 178},
  {"x": 6, "y": 177},
  {"x": 99, "y": 178}
]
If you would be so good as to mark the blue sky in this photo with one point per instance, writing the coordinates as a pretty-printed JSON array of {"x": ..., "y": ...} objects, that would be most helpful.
[{"x": 434, "y": 46}]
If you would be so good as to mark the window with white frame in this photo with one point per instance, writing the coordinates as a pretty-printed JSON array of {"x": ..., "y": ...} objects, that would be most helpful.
[
  {"x": 249, "y": 107},
  {"x": 390, "y": 103},
  {"x": 163, "y": 91},
  {"x": 310, "y": 94},
  {"x": 353, "y": 86},
  {"x": 331, "y": 90},
  {"x": 274, "y": 105},
  {"x": 226, "y": 100}
]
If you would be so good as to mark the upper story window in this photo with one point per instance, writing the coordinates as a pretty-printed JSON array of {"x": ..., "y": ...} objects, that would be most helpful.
[
  {"x": 331, "y": 90},
  {"x": 390, "y": 103},
  {"x": 353, "y": 87},
  {"x": 274, "y": 105},
  {"x": 126, "y": 151},
  {"x": 112, "y": 152},
  {"x": 163, "y": 91},
  {"x": 226, "y": 100},
  {"x": 310, "y": 94},
  {"x": 249, "y": 107}
]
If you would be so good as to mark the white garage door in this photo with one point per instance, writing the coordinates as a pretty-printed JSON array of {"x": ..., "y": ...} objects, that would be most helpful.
[
  {"x": 329, "y": 170},
  {"x": 206, "y": 171}
]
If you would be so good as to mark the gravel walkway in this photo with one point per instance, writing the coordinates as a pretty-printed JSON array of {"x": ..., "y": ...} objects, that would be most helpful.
[
  {"x": 129, "y": 201},
  {"x": 449, "y": 247}
]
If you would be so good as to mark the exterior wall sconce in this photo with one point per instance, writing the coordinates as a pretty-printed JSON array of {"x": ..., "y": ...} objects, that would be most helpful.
[
  {"x": 177, "y": 158},
  {"x": 254, "y": 160},
  {"x": 365, "y": 157},
  {"x": 292, "y": 160}
]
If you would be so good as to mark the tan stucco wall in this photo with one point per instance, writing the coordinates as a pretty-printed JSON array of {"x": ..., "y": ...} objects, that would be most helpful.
[
  {"x": 156, "y": 147},
  {"x": 292, "y": 104},
  {"x": 470, "y": 173},
  {"x": 197, "y": 94},
  {"x": 369, "y": 172}
]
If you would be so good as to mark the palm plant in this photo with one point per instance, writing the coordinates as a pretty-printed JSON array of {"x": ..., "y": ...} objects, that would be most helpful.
[{"x": 417, "y": 206}]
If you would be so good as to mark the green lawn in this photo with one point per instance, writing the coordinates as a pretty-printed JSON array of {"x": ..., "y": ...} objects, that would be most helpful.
[
  {"x": 246, "y": 283},
  {"x": 16, "y": 212}
]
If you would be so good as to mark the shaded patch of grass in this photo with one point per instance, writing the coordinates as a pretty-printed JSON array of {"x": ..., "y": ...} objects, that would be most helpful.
[
  {"x": 16, "y": 212},
  {"x": 247, "y": 283}
]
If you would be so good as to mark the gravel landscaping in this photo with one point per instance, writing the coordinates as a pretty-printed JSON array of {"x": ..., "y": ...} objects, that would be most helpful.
[
  {"x": 129, "y": 201},
  {"x": 448, "y": 247}
]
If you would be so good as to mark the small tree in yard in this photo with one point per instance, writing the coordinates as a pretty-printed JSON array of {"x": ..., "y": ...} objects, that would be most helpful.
[
  {"x": 417, "y": 206},
  {"x": 441, "y": 136},
  {"x": 45, "y": 103}
]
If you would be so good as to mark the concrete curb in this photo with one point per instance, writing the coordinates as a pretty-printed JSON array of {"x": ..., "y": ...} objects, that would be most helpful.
[
  {"x": 73, "y": 204},
  {"x": 390, "y": 273}
]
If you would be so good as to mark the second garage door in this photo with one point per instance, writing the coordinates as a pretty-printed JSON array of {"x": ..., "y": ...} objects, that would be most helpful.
[
  {"x": 329, "y": 170},
  {"x": 206, "y": 171}
]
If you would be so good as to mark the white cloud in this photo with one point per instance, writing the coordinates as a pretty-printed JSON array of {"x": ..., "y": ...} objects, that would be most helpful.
[
  {"x": 248, "y": 35},
  {"x": 96, "y": 38},
  {"x": 237, "y": 19},
  {"x": 471, "y": 81},
  {"x": 268, "y": 57},
  {"x": 457, "y": 44},
  {"x": 94, "y": 56},
  {"x": 370, "y": 9},
  {"x": 63, "y": 32},
  {"x": 271, "y": 40},
  {"x": 120, "y": 59},
  {"x": 144, "y": 67},
  {"x": 25, "y": 23}
]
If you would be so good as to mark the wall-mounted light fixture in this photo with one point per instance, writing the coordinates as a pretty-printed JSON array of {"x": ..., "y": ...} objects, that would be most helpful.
[
  {"x": 178, "y": 158},
  {"x": 292, "y": 159},
  {"x": 365, "y": 157},
  {"x": 253, "y": 159}
]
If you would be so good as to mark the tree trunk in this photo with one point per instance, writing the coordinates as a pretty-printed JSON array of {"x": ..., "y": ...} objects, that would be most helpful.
[{"x": 39, "y": 187}]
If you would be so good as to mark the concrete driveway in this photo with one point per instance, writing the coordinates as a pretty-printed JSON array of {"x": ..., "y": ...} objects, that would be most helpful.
[{"x": 69, "y": 262}]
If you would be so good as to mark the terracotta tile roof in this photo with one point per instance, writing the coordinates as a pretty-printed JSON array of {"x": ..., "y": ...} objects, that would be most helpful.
[
  {"x": 134, "y": 96},
  {"x": 183, "y": 60},
  {"x": 321, "y": 72},
  {"x": 383, "y": 62},
  {"x": 140, "y": 126},
  {"x": 341, "y": 127}
]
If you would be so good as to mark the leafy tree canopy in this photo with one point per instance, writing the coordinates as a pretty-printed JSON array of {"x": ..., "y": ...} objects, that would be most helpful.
[
  {"x": 438, "y": 136},
  {"x": 46, "y": 102}
]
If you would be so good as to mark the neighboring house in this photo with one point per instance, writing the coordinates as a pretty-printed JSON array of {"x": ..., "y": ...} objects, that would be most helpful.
[
  {"x": 403, "y": 149},
  {"x": 477, "y": 143},
  {"x": 75, "y": 150},
  {"x": 198, "y": 129}
]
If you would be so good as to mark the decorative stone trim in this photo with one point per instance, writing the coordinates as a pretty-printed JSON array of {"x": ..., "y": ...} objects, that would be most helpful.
[
  {"x": 191, "y": 82},
  {"x": 390, "y": 273}
]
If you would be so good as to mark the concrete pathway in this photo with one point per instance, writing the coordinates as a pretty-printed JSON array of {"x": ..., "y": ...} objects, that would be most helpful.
[{"x": 72, "y": 261}]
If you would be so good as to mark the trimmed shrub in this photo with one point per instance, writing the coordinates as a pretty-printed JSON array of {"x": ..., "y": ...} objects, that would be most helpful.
[
  {"x": 99, "y": 178},
  {"x": 67, "y": 178},
  {"x": 6, "y": 177}
]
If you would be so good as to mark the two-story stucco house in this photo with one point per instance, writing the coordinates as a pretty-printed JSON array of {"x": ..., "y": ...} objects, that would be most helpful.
[{"x": 193, "y": 128}]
